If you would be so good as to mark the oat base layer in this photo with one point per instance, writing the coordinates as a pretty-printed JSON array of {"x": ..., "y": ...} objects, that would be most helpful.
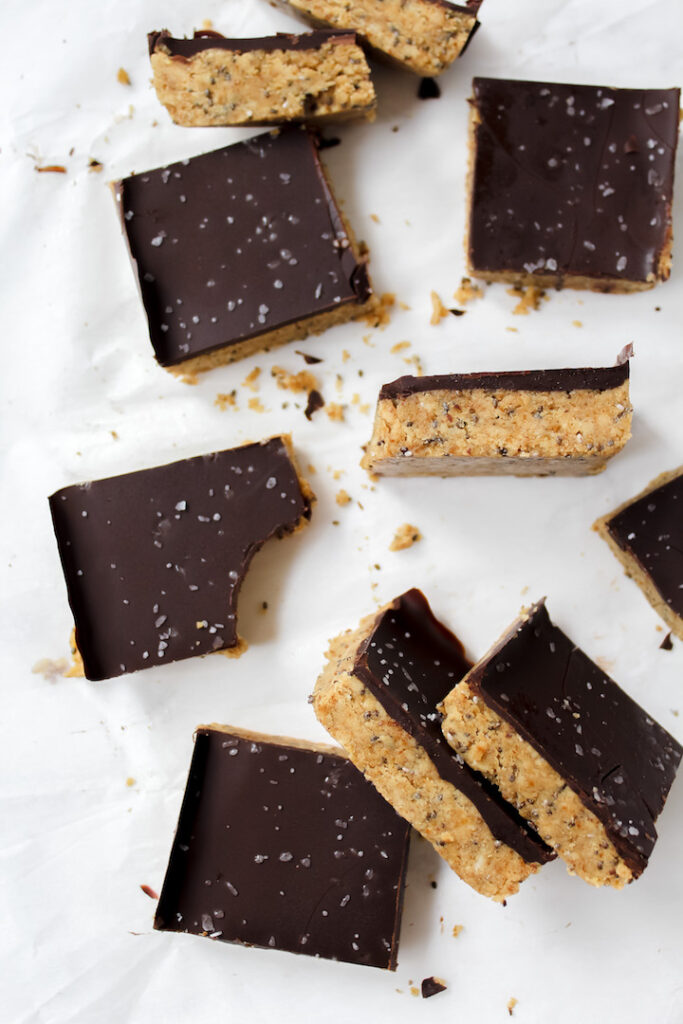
[
  {"x": 491, "y": 746},
  {"x": 228, "y": 87},
  {"x": 422, "y": 36},
  {"x": 492, "y": 431}
]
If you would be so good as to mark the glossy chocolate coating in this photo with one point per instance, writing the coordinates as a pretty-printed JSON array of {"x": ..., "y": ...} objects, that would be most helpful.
[
  {"x": 204, "y": 40},
  {"x": 618, "y": 760},
  {"x": 588, "y": 379},
  {"x": 237, "y": 243},
  {"x": 410, "y": 662},
  {"x": 651, "y": 530},
  {"x": 287, "y": 848},
  {"x": 572, "y": 179},
  {"x": 154, "y": 560}
]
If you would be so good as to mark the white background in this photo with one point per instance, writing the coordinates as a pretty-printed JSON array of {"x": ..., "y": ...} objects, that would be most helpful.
[{"x": 76, "y": 842}]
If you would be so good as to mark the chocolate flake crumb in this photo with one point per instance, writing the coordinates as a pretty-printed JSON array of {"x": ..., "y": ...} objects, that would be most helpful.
[
  {"x": 330, "y": 143},
  {"x": 432, "y": 986},
  {"x": 315, "y": 402},
  {"x": 51, "y": 169},
  {"x": 95, "y": 165},
  {"x": 308, "y": 359},
  {"x": 666, "y": 644},
  {"x": 457, "y": 312},
  {"x": 148, "y": 891},
  {"x": 428, "y": 89}
]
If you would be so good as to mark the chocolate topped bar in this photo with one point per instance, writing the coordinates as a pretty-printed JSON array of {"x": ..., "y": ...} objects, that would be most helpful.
[
  {"x": 574, "y": 379},
  {"x": 153, "y": 560},
  {"x": 615, "y": 761},
  {"x": 423, "y": 36},
  {"x": 284, "y": 845},
  {"x": 378, "y": 696},
  {"x": 238, "y": 249},
  {"x": 521, "y": 422},
  {"x": 409, "y": 662},
  {"x": 646, "y": 534},
  {"x": 210, "y": 80},
  {"x": 572, "y": 184}
]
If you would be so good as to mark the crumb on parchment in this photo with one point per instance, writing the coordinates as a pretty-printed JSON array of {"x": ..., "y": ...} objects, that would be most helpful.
[
  {"x": 335, "y": 411},
  {"x": 529, "y": 298},
  {"x": 123, "y": 77},
  {"x": 379, "y": 315},
  {"x": 226, "y": 400},
  {"x": 439, "y": 311},
  {"x": 400, "y": 346},
  {"x": 511, "y": 1005},
  {"x": 405, "y": 537},
  {"x": 304, "y": 380},
  {"x": 343, "y": 497},
  {"x": 256, "y": 405},
  {"x": 250, "y": 381},
  {"x": 467, "y": 291}
]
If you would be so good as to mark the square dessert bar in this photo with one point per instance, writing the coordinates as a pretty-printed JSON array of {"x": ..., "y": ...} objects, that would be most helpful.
[
  {"x": 424, "y": 36},
  {"x": 527, "y": 423},
  {"x": 240, "y": 249},
  {"x": 283, "y": 844},
  {"x": 571, "y": 184},
  {"x": 154, "y": 560},
  {"x": 378, "y": 697},
  {"x": 575, "y": 755},
  {"x": 210, "y": 80},
  {"x": 646, "y": 535}
]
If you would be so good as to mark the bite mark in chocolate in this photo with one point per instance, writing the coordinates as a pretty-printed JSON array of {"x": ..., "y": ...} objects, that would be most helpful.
[
  {"x": 154, "y": 560},
  {"x": 284, "y": 845}
]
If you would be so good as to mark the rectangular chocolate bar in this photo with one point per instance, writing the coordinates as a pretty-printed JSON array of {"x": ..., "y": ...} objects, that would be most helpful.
[
  {"x": 153, "y": 560},
  {"x": 571, "y": 185},
  {"x": 378, "y": 697},
  {"x": 423, "y": 36},
  {"x": 527, "y": 423},
  {"x": 284, "y": 845},
  {"x": 646, "y": 535},
  {"x": 210, "y": 80},
  {"x": 575, "y": 754},
  {"x": 240, "y": 249}
]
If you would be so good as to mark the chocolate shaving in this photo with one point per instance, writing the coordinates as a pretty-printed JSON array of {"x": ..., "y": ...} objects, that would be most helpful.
[
  {"x": 432, "y": 986},
  {"x": 428, "y": 89},
  {"x": 315, "y": 402}
]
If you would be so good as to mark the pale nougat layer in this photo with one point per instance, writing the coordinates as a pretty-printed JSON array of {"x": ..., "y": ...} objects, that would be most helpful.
[
  {"x": 406, "y": 777},
  {"x": 491, "y": 746},
  {"x": 227, "y": 87},
  {"x": 422, "y": 35},
  {"x": 492, "y": 430}
]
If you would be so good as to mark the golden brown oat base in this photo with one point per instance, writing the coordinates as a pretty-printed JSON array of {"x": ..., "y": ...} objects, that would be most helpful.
[
  {"x": 489, "y": 745},
  {"x": 406, "y": 777},
  {"x": 421, "y": 36},
  {"x": 481, "y": 431},
  {"x": 296, "y": 331},
  {"x": 632, "y": 566},
  {"x": 228, "y": 87}
]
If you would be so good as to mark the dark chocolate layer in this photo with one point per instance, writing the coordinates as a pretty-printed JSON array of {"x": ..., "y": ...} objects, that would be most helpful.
[
  {"x": 287, "y": 848},
  {"x": 588, "y": 379},
  {"x": 154, "y": 560},
  {"x": 205, "y": 40},
  {"x": 572, "y": 179},
  {"x": 410, "y": 662},
  {"x": 237, "y": 243},
  {"x": 618, "y": 760},
  {"x": 651, "y": 530}
]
